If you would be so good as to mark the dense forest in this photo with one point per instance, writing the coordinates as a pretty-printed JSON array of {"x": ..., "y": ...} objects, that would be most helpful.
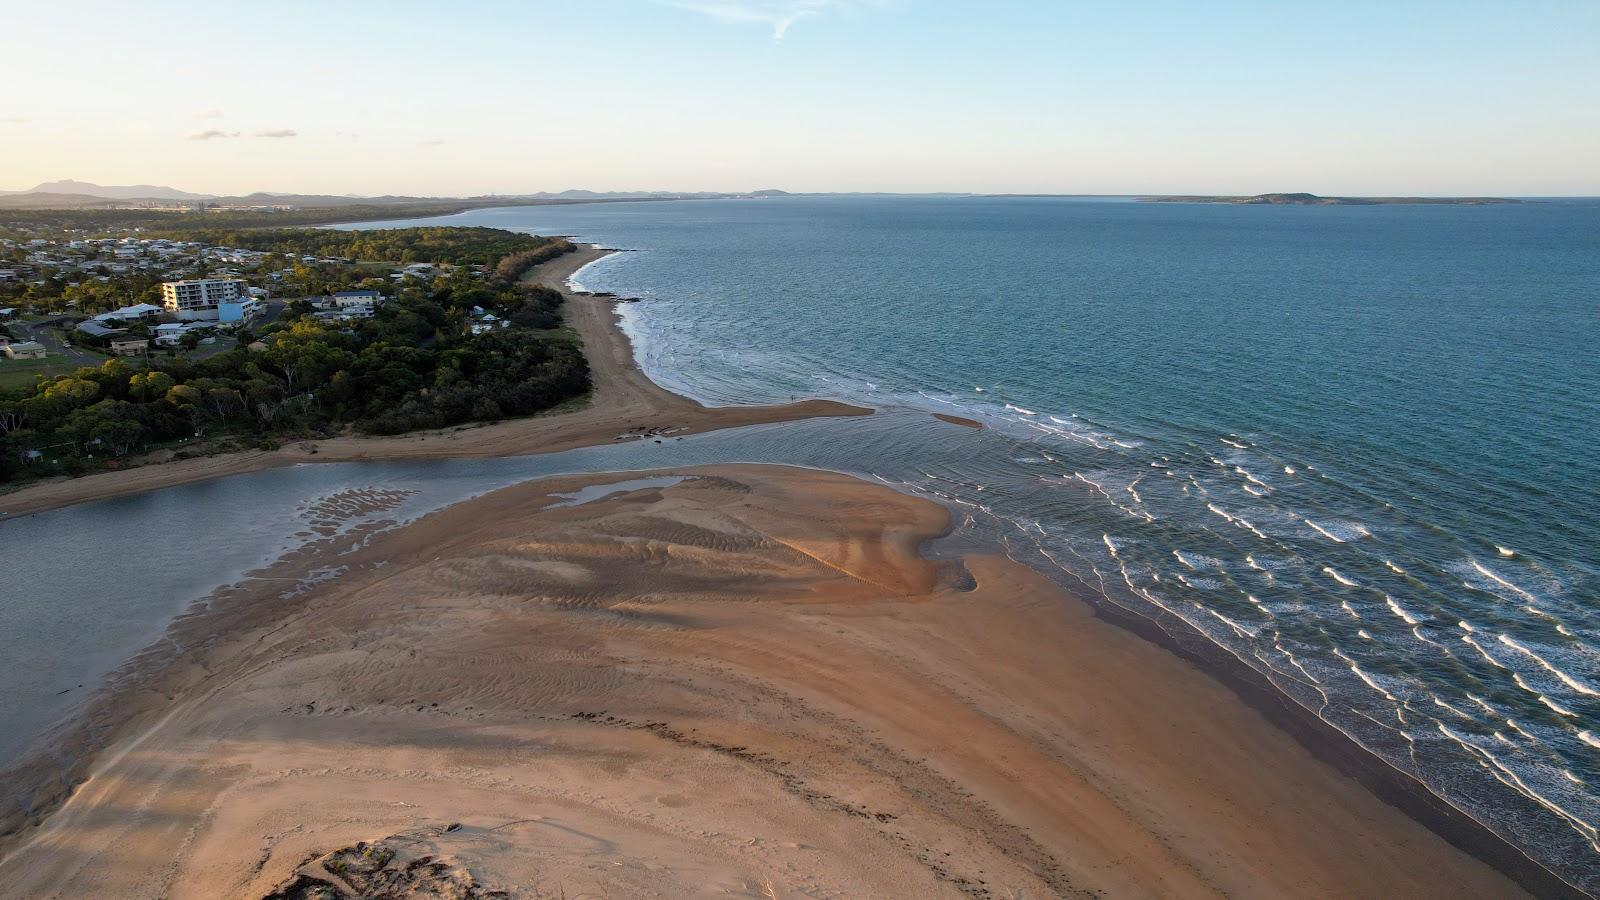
[
  {"x": 36, "y": 222},
  {"x": 415, "y": 365},
  {"x": 442, "y": 245}
]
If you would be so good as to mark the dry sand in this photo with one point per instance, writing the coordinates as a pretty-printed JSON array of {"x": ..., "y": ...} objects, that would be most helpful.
[
  {"x": 745, "y": 684},
  {"x": 624, "y": 401}
]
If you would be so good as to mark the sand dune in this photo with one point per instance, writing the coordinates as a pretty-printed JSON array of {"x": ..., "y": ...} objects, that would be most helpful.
[{"x": 746, "y": 684}]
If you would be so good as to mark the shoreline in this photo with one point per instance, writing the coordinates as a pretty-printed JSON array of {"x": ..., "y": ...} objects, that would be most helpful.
[
  {"x": 623, "y": 401},
  {"x": 632, "y": 395},
  {"x": 733, "y": 676}
]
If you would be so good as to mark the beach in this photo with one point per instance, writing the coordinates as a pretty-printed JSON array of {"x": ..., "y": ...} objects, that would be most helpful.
[
  {"x": 722, "y": 681},
  {"x": 624, "y": 404},
  {"x": 719, "y": 681}
]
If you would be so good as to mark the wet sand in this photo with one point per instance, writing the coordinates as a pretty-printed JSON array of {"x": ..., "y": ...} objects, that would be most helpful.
[
  {"x": 746, "y": 683},
  {"x": 624, "y": 402}
]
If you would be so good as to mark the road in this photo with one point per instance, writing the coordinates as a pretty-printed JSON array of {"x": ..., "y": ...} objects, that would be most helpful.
[{"x": 40, "y": 331}]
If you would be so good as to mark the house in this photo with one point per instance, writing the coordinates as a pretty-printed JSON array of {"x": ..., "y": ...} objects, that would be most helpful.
[
  {"x": 97, "y": 331},
  {"x": 346, "y": 313},
  {"x": 139, "y": 312},
  {"x": 342, "y": 299},
  {"x": 130, "y": 345},
  {"x": 24, "y": 350},
  {"x": 9, "y": 312},
  {"x": 171, "y": 334}
]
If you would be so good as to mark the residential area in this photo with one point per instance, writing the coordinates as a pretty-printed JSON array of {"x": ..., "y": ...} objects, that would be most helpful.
[{"x": 115, "y": 347}]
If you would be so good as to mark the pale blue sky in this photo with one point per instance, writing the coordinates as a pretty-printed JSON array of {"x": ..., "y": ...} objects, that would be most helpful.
[{"x": 479, "y": 96}]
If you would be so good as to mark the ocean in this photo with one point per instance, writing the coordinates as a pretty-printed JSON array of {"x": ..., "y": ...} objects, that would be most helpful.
[
  {"x": 1355, "y": 446},
  {"x": 1352, "y": 448}
]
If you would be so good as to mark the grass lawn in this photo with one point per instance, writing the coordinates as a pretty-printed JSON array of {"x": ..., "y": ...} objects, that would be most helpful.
[{"x": 16, "y": 373}]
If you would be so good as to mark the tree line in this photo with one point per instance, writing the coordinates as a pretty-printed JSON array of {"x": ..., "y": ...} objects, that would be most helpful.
[{"x": 443, "y": 245}]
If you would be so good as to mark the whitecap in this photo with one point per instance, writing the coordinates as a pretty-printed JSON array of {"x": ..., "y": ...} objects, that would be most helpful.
[
  {"x": 1482, "y": 703},
  {"x": 1589, "y": 739},
  {"x": 1367, "y": 679},
  {"x": 1288, "y": 470},
  {"x": 1331, "y": 573},
  {"x": 1394, "y": 568},
  {"x": 1517, "y": 677},
  {"x": 1237, "y": 522},
  {"x": 1506, "y": 776},
  {"x": 1325, "y": 532},
  {"x": 1467, "y": 639},
  {"x": 1565, "y": 679},
  {"x": 1497, "y": 579},
  {"x": 1345, "y": 605},
  {"x": 1506, "y": 552},
  {"x": 1250, "y": 477},
  {"x": 1238, "y": 629},
  {"x": 1197, "y": 561},
  {"x": 1400, "y": 611},
  {"x": 1018, "y": 409}
]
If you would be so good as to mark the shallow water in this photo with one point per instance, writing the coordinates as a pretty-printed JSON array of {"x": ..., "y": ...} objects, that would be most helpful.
[{"x": 1351, "y": 445}]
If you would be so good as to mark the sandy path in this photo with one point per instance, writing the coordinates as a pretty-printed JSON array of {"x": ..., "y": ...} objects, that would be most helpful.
[
  {"x": 624, "y": 399},
  {"x": 746, "y": 684}
]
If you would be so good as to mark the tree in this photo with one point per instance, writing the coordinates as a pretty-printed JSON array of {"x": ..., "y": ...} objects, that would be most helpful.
[
  {"x": 71, "y": 390},
  {"x": 147, "y": 386}
]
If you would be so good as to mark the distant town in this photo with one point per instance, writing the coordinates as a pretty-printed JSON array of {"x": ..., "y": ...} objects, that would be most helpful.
[{"x": 203, "y": 294}]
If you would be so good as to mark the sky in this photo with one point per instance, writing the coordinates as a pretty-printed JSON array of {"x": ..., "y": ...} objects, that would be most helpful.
[{"x": 1004, "y": 96}]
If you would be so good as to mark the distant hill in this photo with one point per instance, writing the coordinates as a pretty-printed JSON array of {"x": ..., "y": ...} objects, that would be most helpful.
[
  {"x": 114, "y": 192},
  {"x": 48, "y": 200},
  {"x": 1302, "y": 199},
  {"x": 83, "y": 195}
]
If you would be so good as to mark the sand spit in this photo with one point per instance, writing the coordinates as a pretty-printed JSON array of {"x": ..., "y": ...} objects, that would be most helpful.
[
  {"x": 625, "y": 402},
  {"x": 747, "y": 683}
]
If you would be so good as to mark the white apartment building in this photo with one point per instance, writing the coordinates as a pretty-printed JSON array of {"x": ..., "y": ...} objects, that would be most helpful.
[{"x": 198, "y": 299}]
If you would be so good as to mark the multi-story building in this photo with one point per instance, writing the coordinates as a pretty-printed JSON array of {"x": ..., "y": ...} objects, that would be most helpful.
[{"x": 198, "y": 299}]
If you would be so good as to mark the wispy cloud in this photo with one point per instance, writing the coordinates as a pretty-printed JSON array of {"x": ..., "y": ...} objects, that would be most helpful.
[
  {"x": 277, "y": 133},
  {"x": 211, "y": 134},
  {"x": 432, "y": 142},
  {"x": 14, "y": 120},
  {"x": 209, "y": 114},
  {"x": 779, "y": 15}
]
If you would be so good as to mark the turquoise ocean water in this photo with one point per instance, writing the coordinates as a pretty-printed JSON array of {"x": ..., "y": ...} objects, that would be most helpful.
[{"x": 1355, "y": 446}]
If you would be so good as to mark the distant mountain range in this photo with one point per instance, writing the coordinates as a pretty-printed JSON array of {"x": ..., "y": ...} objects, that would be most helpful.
[
  {"x": 120, "y": 192},
  {"x": 70, "y": 194}
]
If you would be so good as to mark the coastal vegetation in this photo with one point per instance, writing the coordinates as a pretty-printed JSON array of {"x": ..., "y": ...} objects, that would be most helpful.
[
  {"x": 462, "y": 346},
  {"x": 36, "y": 222},
  {"x": 441, "y": 245}
]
